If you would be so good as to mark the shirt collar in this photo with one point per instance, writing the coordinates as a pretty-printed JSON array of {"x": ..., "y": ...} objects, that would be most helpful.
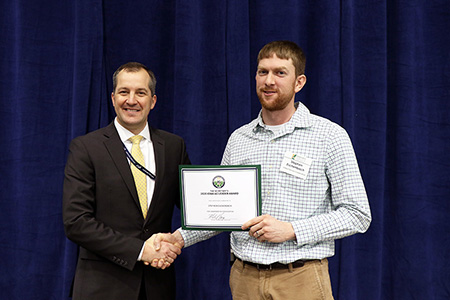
[
  {"x": 125, "y": 134},
  {"x": 300, "y": 119}
]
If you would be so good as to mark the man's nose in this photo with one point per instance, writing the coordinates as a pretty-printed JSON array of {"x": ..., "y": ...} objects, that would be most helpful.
[
  {"x": 270, "y": 79},
  {"x": 132, "y": 98}
]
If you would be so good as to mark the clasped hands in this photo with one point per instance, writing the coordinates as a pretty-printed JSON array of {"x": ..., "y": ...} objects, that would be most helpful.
[{"x": 161, "y": 249}]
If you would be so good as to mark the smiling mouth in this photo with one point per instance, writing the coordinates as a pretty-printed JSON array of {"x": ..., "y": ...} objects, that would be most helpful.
[
  {"x": 269, "y": 93},
  {"x": 131, "y": 109}
]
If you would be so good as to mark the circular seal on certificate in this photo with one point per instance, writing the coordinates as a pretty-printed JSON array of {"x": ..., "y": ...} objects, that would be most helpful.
[{"x": 218, "y": 182}]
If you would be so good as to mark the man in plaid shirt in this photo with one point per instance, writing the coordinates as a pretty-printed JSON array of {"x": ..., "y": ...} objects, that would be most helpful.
[{"x": 312, "y": 190}]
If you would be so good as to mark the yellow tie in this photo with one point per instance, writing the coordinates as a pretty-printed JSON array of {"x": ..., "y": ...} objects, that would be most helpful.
[{"x": 139, "y": 177}]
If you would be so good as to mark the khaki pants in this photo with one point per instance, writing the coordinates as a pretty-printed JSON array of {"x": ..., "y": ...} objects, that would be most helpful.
[{"x": 310, "y": 282}]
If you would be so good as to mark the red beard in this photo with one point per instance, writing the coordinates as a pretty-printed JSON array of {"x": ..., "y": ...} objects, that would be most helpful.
[{"x": 279, "y": 102}]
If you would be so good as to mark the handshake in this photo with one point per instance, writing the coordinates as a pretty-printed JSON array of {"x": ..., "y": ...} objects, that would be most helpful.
[{"x": 161, "y": 249}]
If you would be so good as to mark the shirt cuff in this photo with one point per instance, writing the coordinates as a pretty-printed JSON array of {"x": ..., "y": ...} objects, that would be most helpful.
[
  {"x": 140, "y": 253},
  {"x": 304, "y": 232}
]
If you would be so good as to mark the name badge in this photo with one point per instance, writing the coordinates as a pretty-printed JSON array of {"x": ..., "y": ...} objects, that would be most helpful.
[{"x": 296, "y": 165}]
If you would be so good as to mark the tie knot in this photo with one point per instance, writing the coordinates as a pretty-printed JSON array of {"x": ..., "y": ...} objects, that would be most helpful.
[{"x": 136, "y": 139}]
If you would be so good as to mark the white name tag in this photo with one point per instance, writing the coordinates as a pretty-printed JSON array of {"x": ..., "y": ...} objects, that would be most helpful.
[{"x": 296, "y": 165}]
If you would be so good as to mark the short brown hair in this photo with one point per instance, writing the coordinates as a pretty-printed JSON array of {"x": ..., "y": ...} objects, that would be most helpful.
[
  {"x": 135, "y": 67},
  {"x": 285, "y": 50}
]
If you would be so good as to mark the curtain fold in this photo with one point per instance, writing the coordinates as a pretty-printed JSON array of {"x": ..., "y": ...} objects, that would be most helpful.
[{"x": 380, "y": 69}]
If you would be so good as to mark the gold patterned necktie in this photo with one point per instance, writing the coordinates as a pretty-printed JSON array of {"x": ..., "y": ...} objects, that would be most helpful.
[{"x": 139, "y": 177}]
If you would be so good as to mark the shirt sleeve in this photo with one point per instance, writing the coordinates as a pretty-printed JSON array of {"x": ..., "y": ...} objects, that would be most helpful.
[
  {"x": 192, "y": 237},
  {"x": 226, "y": 153},
  {"x": 350, "y": 211}
]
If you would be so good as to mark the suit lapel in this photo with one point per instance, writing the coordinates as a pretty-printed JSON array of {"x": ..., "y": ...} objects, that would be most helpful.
[
  {"x": 115, "y": 148},
  {"x": 159, "y": 148}
]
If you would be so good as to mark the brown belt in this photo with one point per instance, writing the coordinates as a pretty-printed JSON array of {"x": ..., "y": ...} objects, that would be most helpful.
[{"x": 296, "y": 264}]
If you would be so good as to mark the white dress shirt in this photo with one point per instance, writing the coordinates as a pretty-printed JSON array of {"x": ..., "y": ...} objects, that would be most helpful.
[{"x": 147, "y": 151}]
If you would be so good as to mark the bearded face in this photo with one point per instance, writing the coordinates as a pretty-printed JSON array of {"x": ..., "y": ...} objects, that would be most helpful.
[
  {"x": 273, "y": 98},
  {"x": 276, "y": 83}
]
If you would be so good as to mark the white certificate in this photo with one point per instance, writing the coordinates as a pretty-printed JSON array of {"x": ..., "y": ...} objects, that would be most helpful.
[{"x": 219, "y": 197}]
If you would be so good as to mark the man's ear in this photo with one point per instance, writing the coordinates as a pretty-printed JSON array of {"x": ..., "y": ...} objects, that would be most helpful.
[
  {"x": 112, "y": 98},
  {"x": 153, "y": 102},
  {"x": 300, "y": 82}
]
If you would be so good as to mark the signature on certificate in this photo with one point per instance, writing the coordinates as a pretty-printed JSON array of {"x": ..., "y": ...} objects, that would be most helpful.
[{"x": 217, "y": 216}]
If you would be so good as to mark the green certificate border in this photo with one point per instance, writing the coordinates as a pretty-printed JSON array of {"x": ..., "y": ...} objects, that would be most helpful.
[{"x": 181, "y": 168}]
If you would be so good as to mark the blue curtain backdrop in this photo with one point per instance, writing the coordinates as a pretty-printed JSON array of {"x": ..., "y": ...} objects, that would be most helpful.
[{"x": 381, "y": 69}]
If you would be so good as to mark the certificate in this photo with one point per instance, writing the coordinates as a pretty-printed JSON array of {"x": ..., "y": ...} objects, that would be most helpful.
[{"x": 219, "y": 197}]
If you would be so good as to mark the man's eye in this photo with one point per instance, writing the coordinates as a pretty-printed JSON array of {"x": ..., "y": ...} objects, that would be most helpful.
[
  {"x": 123, "y": 92},
  {"x": 262, "y": 72}
]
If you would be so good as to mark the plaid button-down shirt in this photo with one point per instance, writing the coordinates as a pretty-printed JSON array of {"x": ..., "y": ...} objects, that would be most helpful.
[{"x": 330, "y": 203}]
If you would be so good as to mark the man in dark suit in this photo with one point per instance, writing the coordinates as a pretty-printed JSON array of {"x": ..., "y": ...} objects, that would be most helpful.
[{"x": 110, "y": 213}]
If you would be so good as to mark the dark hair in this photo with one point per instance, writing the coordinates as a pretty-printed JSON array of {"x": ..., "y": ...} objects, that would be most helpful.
[
  {"x": 135, "y": 67},
  {"x": 285, "y": 50}
]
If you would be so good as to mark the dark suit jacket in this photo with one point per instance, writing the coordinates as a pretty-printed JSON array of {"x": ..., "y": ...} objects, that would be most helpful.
[{"x": 102, "y": 214}]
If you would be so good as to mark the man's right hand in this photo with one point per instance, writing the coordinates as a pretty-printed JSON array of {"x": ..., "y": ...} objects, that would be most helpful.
[
  {"x": 175, "y": 238},
  {"x": 161, "y": 250}
]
